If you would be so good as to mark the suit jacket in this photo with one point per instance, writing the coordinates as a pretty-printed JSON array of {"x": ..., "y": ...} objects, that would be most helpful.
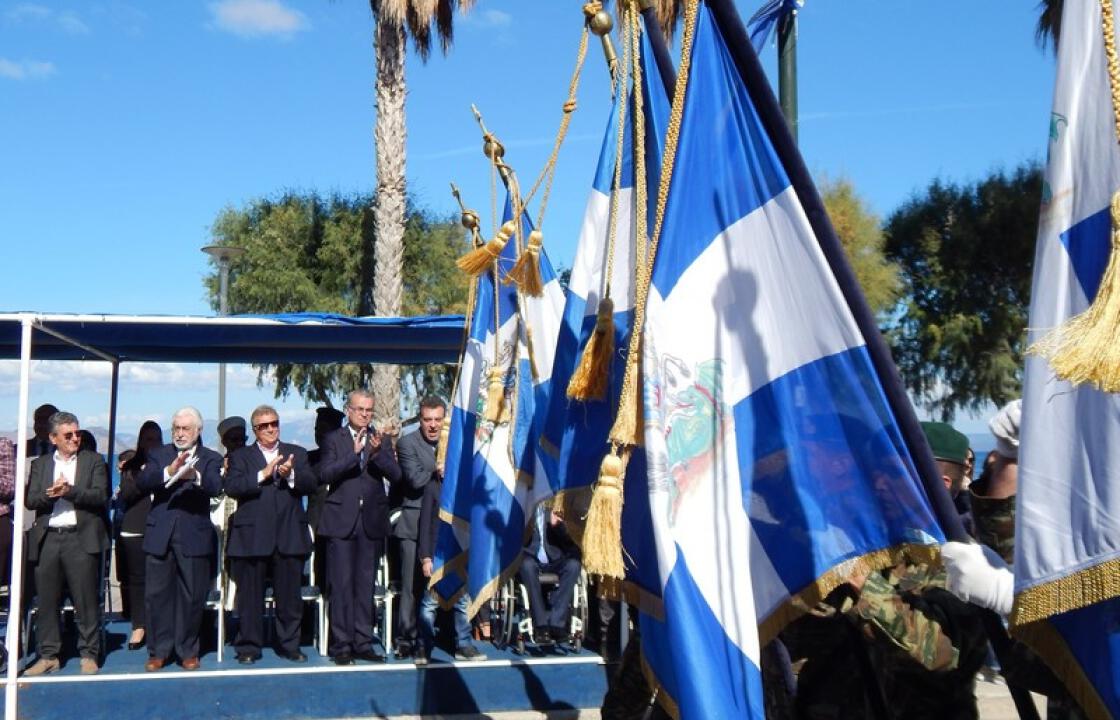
[
  {"x": 90, "y": 496},
  {"x": 355, "y": 492},
  {"x": 418, "y": 465},
  {"x": 183, "y": 510},
  {"x": 557, "y": 543},
  {"x": 270, "y": 516},
  {"x": 429, "y": 520},
  {"x": 134, "y": 502}
]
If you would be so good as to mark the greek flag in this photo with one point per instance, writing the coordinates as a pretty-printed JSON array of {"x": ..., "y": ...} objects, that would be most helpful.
[
  {"x": 492, "y": 475},
  {"x": 575, "y": 438},
  {"x": 1067, "y": 544},
  {"x": 775, "y": 458}
]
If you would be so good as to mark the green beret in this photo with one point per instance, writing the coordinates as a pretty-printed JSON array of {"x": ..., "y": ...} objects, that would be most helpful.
[{"x": 946, "y": 442}]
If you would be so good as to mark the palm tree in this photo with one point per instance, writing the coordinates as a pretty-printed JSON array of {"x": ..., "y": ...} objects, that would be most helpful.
[
  {"x": 394, "y": 20},
  {"x": 1049, "y": 28}
]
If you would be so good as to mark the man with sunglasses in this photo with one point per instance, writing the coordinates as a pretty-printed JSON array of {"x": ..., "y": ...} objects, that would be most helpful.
[
  {"x": 355, "y": 464},
  {"x": 68, "y": 491},
  {"x": 179, "y": 540},
  {"x": 269, "y": 535}
]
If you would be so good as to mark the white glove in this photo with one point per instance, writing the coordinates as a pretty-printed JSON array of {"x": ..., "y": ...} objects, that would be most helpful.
[{"x": 976, "y": 574}]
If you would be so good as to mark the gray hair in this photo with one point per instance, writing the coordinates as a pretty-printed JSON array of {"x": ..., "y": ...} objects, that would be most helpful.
[
  {"x": 190, "y": 412},
  {"x": 59, "y": 419},
  {"x": 262, "y": 410},
  {"x": 361, "y": 392}
]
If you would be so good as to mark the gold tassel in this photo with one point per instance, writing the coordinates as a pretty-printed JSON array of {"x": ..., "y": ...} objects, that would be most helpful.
[
  {"x": 526, "y": 271},
  {"x": 589, "y": 381},
  {"x": 602, "y": 537},
  {"x": 627, "y": 428},
  {"x": 441, "y": 446},
  {"x": 495, "y": 395},
  {"x": 477, "y": 261},
  {"x": 1086, "y": 348}
]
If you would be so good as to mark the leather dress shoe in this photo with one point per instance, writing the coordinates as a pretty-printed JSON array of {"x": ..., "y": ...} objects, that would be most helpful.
[
  {"x": 296, "y": 657},
  {"x": 154, "y": 664},
  {"x": 343, "y": 659},
  {"x": 246, "y": 658},
  {"x": 137, "y": 645},
  {"x": 190, "y": 663},
  {"x": 370, "y": 655},
  {"x": 404, "y": 650}
]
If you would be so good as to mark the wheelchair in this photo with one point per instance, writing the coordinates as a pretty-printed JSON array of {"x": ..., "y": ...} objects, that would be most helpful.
[{"x": 512, "y": 621}]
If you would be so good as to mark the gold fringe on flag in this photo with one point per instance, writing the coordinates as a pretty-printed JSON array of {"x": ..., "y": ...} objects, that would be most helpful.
[
  {"x": 602, "y": 537},
  {"x": 591, "y": 376},
  {"x": 1086, "y": 348},
  {"x": 476, "y": 261},
  {"x": 526, "y": 271}
]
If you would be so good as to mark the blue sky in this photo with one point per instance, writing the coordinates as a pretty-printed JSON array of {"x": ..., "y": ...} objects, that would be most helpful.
[{"x": 125, "y": 127}]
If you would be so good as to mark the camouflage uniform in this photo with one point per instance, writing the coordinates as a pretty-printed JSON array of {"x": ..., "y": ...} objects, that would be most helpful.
[
  {"x": 903, "y": 648},
  {"x": 994, "y": 520}
]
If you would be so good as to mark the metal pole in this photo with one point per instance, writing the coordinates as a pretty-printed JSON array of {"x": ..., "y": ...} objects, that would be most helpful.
[
  {"x": 787, "y": 69},
  {"x": 223, "y": 310},
  {"x": 15, "y": 584}
]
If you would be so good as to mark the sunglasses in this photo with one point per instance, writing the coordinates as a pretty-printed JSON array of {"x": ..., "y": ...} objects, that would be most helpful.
[
  {"x": 69, "y": 435},
  {"x": 267, "y": 425}
]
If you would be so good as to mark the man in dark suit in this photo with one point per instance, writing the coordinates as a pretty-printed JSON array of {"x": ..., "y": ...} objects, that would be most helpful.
[
  {"x": 327, "y": 420},
  {"x": 68, "y": 491},
  {"x": 417, "y": 454},
  {"x": 179, "y": 540},
  {"x": 550, "y": 550},
  {"x": 269, "y": 531},
  {"x": 356, "y": 463}
]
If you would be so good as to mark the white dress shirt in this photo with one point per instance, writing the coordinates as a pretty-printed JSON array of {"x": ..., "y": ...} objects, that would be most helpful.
[{"x": 63, "y": 513}]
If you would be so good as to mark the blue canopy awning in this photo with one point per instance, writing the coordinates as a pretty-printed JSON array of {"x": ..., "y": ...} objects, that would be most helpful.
[{"x": 292, "y": 338}]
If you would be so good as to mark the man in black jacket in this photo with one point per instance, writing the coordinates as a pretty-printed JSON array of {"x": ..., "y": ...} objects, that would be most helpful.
[
  {"x": 356, "y": 463},
  {"x": 550, "y": 550},
  {"x": 417, "y": 454},
  {"x": 179, "y": 540},
  {"x": 68, "y": 491},
  {"x": 269, "y": 531}
]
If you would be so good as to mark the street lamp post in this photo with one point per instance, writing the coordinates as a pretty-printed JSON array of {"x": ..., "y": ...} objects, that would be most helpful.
[{"x": 223, "y": 254}]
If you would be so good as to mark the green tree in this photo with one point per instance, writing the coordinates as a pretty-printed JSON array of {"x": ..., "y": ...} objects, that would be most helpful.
[
  {"x": 862, "y": 237},
  {"x": 1049, "y": 28},
  {"x": 966, "y": 253},
  {"x": 306, "y": 253}
]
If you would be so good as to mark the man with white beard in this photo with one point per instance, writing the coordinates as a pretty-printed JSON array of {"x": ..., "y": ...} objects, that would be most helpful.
[{"x": 179, "y": 540}]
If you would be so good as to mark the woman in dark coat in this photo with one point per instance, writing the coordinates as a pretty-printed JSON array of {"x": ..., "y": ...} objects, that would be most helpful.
[{"x": 134, "y": 504}]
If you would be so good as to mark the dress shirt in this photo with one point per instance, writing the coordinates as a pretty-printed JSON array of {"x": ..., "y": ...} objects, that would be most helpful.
[{"x": 63, "y": 514}]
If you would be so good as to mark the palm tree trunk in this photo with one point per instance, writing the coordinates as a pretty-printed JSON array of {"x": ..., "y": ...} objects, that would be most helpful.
[{"x": 389, "y": 204}]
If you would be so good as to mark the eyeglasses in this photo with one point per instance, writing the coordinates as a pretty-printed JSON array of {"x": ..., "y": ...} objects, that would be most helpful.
[
  {"x": 362, "y": 410},
  {"x": 267, "y": 425}
]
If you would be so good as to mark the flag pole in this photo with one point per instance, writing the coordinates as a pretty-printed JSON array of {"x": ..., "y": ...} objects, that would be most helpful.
[
  {"x": 785, "y": 146},
  {"x": 787, "y": 68},
  {"x": 660, "y": 46}
]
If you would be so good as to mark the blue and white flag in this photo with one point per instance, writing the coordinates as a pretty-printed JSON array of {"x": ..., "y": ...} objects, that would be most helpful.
[
  {"x": 492, "y": 474},
  {"x": 1067, "y": 543},
  {"x": 575, "y": 436},
  {"x": 776, "y": 463},
  {"x": 765, "y": 19}
]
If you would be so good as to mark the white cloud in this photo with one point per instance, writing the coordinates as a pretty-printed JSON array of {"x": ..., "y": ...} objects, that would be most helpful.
[
  {"x": 494, "y": 18},
  {"x": 66, "y": 21},
  {"x": 25, "y": 69},
  {"x": 256, "y": 18}
]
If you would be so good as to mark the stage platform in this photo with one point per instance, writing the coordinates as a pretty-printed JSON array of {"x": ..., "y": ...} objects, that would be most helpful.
[{"x": 275, "y": 688}]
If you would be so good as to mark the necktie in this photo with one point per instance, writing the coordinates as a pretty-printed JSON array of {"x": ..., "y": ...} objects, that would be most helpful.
[{"x": 542, "y": 554}]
